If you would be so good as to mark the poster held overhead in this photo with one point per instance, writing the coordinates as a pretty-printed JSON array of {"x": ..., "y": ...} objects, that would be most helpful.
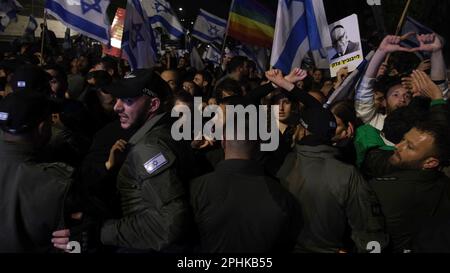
[{"x": 346, "y": 50}]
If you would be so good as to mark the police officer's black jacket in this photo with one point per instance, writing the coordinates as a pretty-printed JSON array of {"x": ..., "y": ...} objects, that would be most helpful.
[
  {"x": 153, "y": 192},
  {"x": 32, "y": 199},
  {"x": 410, "y": 199},
  {"x": 240, "y": 210}
]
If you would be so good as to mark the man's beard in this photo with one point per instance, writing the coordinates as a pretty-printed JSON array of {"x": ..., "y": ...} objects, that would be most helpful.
[{"x": 411, "y": 165}]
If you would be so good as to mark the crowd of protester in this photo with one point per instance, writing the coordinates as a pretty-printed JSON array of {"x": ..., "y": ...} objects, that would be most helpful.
[{"x": 87, "y": 155}]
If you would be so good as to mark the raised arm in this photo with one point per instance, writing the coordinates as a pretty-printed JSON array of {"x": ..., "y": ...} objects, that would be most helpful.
[{"x": 364, "y": 101}]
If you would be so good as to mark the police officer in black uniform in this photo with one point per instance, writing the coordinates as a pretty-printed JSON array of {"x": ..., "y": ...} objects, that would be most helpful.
[
  {"x": 151, "y": 181},
  {"x": 33, "y": 195},
  {"x": 238, "y": 209}
]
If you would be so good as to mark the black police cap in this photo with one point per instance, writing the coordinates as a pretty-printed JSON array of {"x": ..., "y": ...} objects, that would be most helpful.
[
  {"x": 138, "y": 83},
  {"x": 22, "y": 111}
]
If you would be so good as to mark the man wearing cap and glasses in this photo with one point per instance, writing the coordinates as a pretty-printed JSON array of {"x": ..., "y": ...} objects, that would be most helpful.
[
  {"x": 33, "y": 195},
  {"x": 156, "y": 215}
]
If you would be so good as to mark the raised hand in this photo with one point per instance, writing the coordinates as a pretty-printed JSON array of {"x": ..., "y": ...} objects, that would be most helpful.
[
  {"x": 342, "y": 73},
  {"x": 425, "y": 86},
  {"x": 407, "y": 83},
  {"x": 429, "y": 42},
  {"x": 391, "y": 43},
  {"x": 116, "y": 154},
  {"x": 424, "y": 65},
  {"x": 274, "y": 75},
  {"x": 296, "y": 75}
]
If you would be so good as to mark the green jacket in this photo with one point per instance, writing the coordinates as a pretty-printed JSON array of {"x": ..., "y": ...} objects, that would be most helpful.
[
  {"x": 32, "y": 199},
  {"x": 333, "y": 196},
  {"x": 152, "y": 187}
]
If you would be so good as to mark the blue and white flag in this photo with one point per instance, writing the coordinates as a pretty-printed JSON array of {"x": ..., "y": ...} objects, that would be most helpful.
[
  {"x": 196, "y": 60},
  {"x": 85, "y": 16},
  {"x": 255, "y": 54},
  {"x": 209, "y": 28},
  {"x": 8, "y": 12},
  {"x": 32, "y": 25},
  {"x": 138, "y": 41},
  {"x": 301, "y": 26},
  {"x": 160, "y": 14},
  {"x": 212, "y": 54}
]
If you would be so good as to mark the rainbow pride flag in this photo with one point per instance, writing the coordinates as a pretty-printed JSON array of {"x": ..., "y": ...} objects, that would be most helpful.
[{"x": 252, "y": 22}]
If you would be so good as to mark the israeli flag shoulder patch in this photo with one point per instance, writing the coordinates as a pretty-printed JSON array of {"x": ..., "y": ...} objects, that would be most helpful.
[
  {"x": 4, "y": 116},
  {"x": 155, "y": 163}
]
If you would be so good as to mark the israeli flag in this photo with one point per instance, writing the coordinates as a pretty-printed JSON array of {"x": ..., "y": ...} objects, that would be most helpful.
[
  {"x": 213, "y": 55},
  {"x": 8, "y": 12},
  {"x": 85, "y": 16},
  {"x": 209, "y": 28},
  {"x": 160, "y": 14},
  {"x": 32, "y": 25},
  {"x": 138, "y": 41},
  {"x": 301, "y": 26},
  {"x": 255, "y": 54}
]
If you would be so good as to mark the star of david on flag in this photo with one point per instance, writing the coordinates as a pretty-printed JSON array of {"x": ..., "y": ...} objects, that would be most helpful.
[
  {"x": 138, "y": 42},
  {"x": 86, "y": 6},
  {"x": 85, "y": 16},
  {"x": 209, "y": 28},
  {"x": 160, "y": 14}
]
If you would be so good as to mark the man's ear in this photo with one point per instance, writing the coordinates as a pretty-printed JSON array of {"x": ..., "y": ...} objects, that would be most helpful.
[
  {"x": 205, "y": 83},
  {"x": 155, "y": 103},
  {"x": 350, "y": 130},
  {"x": 41, "y": 128},
  {"x": 431, "y": 163}
]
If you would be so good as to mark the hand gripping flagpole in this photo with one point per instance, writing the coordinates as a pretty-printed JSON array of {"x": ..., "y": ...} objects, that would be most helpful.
[
  {"x": 400, "y": 25},
  {"x": 226, "y": 30}
]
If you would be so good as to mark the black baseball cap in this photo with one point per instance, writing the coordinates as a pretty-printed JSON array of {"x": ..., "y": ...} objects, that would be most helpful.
[
  {"x": 22, "y": 111},
  {"x": 30, "y": 77},
  {"x": 320, "y": 122},
  {"x": 138, "y": 83}
]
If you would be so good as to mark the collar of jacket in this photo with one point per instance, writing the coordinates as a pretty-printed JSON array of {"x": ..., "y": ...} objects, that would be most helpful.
[
  {"x": 312, "y": 140},
  {"x": 22, "y": 150},
  {"x": 149, "y": 125},
  {"x": 250, "y": 167},
  {"x": 318, "y": 151},
  {"x": 416, "y": 175}
]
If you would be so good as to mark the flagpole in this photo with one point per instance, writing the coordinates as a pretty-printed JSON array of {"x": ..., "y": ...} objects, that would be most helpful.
[
  {"x": 400, "y": 25},
  {"x": 44, "y": 30},
  {"x": 226, "y": 30}
]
